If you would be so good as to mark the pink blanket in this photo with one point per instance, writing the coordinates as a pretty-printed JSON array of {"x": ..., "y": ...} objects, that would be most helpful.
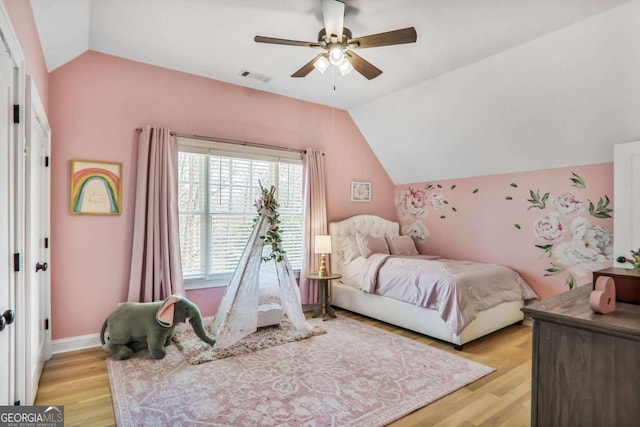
[{"x": 458, "y": 290}]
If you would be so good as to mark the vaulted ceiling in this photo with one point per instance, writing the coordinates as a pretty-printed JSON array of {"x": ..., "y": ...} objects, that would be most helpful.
[{"x": 215, "y": 39}]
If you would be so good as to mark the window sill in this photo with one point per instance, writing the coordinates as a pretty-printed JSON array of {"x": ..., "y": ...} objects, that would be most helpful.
[{"x": 222, "y": 282}]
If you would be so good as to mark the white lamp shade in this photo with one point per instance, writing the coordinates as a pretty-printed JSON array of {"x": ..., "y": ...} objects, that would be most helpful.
[
  {"x": 345, "y": 68},
  {"x": 322, "y": 245},
  {"x": 321, "y": 64},
  {"x": 336, "y": 56}
]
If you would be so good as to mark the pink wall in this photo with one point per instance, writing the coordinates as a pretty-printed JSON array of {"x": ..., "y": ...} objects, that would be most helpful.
[
  {"x": 96, "y": 103},
  {"x": 493, "y": 219},
  {"x": 21, "y": 16}
]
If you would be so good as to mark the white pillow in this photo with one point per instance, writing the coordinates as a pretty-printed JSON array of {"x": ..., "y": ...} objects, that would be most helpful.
[
  {"x": 401, "y": 245},
  {"x": 349, "y": 249}
]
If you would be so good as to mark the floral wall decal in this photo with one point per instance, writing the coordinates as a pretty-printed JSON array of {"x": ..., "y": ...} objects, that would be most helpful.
[
  {"x": 548, "y": 225},
  {"x": 412, "y": 208},
  {"x": 580, "y": 249}
]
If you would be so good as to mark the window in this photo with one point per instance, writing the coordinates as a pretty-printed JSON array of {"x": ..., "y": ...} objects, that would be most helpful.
[{"x": 218, "y": 185}]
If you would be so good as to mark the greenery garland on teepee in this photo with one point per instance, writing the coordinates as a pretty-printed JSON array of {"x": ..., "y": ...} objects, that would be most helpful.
[{"x": 267, "y": 205}]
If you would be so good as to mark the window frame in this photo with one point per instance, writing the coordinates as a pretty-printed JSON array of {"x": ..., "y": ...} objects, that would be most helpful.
[{"x": 227, "y": 149}]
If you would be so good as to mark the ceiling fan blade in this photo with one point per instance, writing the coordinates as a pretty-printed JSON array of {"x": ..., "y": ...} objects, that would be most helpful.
[
  {"x": 308, "y": 67},
  {"x": 362, "y": 66},
  {"x": 272, "y": 40},
  {"x": 405, "y": 35},
  {"x": 333, "y": 16}
]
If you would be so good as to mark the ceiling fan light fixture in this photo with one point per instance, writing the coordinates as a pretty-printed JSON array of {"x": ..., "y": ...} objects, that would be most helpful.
[
  {"x": 321, "y": 64},
  {"x": 336, "y": 56},
  {"x": 345, "y": 68}
]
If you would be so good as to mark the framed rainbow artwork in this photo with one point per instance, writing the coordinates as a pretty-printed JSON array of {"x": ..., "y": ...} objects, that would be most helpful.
[{"x": 96, "y": 187}]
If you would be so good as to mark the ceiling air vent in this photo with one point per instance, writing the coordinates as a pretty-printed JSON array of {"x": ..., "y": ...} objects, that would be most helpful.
[{"x": 255, "y": 76}]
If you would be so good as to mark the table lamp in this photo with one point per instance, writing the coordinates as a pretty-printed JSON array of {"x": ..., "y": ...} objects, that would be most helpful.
[{"x": 323, "y": 247}]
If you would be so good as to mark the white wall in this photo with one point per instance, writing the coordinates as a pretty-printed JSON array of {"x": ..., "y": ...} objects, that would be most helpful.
[{"x": 561, "y": 100}]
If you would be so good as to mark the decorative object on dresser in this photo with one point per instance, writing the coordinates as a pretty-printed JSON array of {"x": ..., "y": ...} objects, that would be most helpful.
[
  {"x": 382, "y": 285},
  {"x": 603, "y": 298},
  {"x": 627, "y": 282},
  {"x": 584, "y": 365}
]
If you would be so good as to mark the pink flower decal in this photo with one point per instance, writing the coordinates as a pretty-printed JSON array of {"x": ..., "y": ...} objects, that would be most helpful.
[
  {"x": 549, "y": 227},
  {"x": 568, "y": 204}
]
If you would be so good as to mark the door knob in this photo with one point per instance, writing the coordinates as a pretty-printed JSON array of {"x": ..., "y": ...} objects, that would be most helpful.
[
  {"x": 42, "y": 266},
  {"x": 9, "y": 316},
  {"x": 6, "y": 319}
]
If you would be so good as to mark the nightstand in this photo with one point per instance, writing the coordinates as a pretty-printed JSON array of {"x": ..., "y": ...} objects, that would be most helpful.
[{"x": 324, "y": 308}]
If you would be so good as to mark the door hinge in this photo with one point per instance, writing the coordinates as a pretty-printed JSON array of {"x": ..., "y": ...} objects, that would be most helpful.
[
  {"x": 46, "y": 243},
  {"x": 46, "y": 161},
  {"x": 46, "y": 324},
  {"x": 16, "y": 113},
  {"x": 16, "y": 262}
]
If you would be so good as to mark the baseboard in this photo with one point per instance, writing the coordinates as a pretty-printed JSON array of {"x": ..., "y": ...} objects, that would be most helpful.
[{"x": 65, "y": 345}]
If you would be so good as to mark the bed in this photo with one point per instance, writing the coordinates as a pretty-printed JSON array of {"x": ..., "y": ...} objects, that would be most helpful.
[{"x": 456, "y": 315}]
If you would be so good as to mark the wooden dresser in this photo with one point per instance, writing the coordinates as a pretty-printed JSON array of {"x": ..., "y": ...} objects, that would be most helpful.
[{"x": 585, "y": 366}]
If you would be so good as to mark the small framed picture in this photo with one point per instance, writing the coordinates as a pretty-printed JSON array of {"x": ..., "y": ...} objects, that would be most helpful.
[
  {"x": 95, "y": 187},
  {"x": 360, "y": 191}
]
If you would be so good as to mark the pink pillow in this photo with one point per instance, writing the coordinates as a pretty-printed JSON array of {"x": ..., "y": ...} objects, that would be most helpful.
[
  {"x": 401, "y": 245},
  {"x": 371, "y": 245}
]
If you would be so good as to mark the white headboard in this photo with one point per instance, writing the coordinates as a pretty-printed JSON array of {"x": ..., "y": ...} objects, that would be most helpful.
[{"x": 365, "y": 224}]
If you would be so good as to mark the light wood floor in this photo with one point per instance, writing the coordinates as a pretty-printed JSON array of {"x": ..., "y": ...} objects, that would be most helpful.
[{"x": 79, "y": 381}]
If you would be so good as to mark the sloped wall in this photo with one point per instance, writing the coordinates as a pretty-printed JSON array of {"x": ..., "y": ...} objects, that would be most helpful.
[{"x": 560, "y": 100}]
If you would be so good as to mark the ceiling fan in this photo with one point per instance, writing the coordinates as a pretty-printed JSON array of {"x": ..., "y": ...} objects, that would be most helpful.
[{"x": 339, "y": 44}]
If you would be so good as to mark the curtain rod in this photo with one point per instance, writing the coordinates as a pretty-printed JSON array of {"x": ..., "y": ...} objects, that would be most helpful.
[{"x": 233, "y": 141}]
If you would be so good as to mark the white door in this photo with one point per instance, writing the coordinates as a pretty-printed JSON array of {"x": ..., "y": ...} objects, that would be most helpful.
[
  {"x": 37, "y": 280},
  {"x": 626, "y": 193},
  {"x": 7, "y": 290}
]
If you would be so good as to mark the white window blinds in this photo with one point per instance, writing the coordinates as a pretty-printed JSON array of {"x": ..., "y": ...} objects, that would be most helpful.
[{"x": 218, "y": 186}]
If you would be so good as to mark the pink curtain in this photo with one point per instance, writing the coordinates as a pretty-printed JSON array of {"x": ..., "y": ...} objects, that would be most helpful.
[
  {"x": 156, "y": 269},
  {"x": 314, "y": 221}
]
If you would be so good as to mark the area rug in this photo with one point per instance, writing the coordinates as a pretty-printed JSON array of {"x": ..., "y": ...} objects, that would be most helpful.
[
  {"x": 354, "y": 375},
  {"x": 195, "y": 351}
]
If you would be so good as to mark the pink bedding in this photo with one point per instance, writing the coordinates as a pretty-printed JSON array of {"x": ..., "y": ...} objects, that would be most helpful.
[{"x": 458, "y": 290}]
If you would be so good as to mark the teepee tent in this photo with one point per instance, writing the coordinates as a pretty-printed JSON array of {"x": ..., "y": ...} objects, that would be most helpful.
[{"x": 237, "y": 315}]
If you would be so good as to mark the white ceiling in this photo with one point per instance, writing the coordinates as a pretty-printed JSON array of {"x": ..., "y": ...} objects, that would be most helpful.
[{"x": 214, "y": 38}]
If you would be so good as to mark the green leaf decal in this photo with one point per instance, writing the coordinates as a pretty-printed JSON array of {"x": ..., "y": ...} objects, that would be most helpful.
[
  {"x": 453, "y": 186},
  {"x": 445, "y": 202},
  {"x": 578, "y": 181},
  {"x": 454, "y": 209},
  {"x": 555, "y": 269},
  {"x": 537, "y": 201},
  {"x": 508, "y": 198},
  {"x": 517, "y": 226},
  {"x": 428, "y": 187},
  {"x": 513, "y": 184},
  {"x": 439, "y": 186},
  {"x": 571, "y": 281},
  {"x": 475, "y": 191},
  {"x": 442, "y": 217},
  {"x": 601, "y": 210},
  {"x": 546, "y": 248}
]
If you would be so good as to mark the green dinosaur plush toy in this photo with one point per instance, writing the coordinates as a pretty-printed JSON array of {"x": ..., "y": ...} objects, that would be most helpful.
[{"x": 132, "y": 325}]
